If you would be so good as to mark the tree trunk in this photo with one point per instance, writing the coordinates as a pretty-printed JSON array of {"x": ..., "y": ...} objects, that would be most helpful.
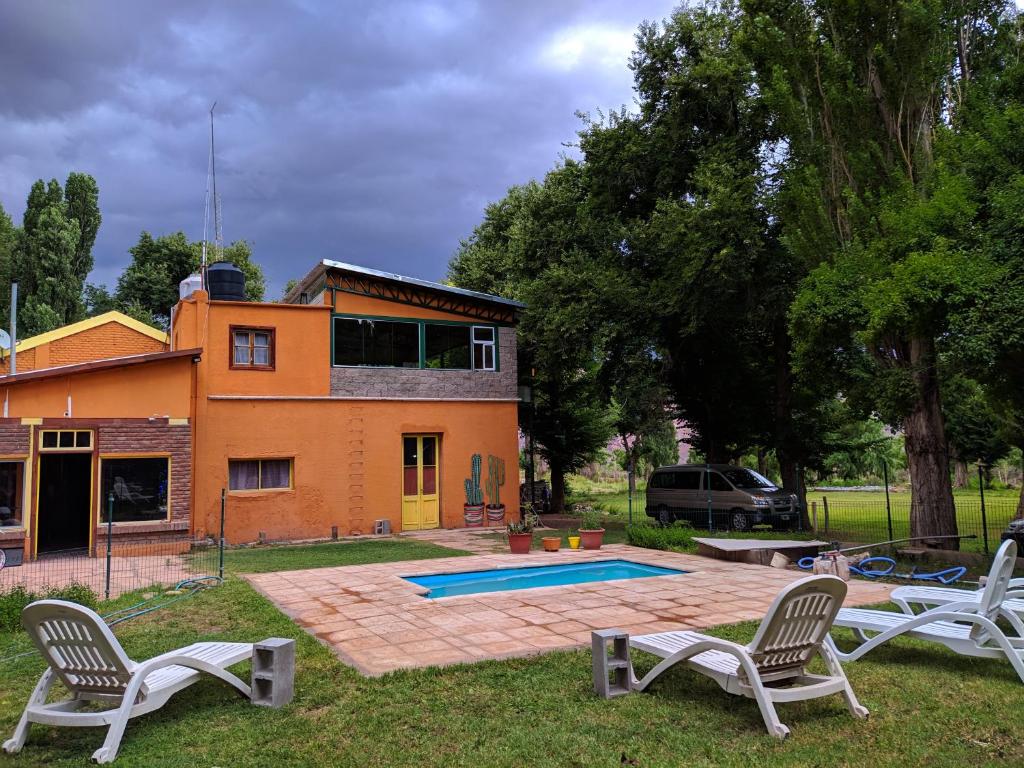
[
  {"x": 762, "y": 461},
  {"x": 557, "y": 488},
  {"x": 960, "y": 473},
  {"x": 931, "y": 507},
  {"x": 789, "y": 465},
  {"x": 1020, "y": 502}
]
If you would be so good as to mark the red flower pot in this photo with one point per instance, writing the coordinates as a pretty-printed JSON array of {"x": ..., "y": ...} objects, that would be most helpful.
[
  {"x": 473, "y": 515},
  {"x": 592, "y": 539},
  {"x": 519, "y": 543}
]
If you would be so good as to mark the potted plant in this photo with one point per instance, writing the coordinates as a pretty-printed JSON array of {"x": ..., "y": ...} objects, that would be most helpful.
[
  {"x": 552, "y": 543},
  {"x": 520, "y": 534},
  {"x": 473, "y": 509},
  {"x": 591, "y": 530},
  {"x": 495, "y": 479}
]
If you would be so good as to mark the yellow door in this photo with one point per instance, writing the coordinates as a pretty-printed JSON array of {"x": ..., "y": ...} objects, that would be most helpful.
[{"x": 420, "y": 504}]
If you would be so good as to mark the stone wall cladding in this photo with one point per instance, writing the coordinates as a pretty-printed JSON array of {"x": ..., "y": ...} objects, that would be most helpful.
[
  {"x": 156, "y": 437},
  {"x": 430, "y": 383},
  {"x": 13, "y": 438}
]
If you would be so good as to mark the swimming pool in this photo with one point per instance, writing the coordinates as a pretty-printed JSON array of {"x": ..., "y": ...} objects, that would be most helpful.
[{"x": 500, "y": 580}]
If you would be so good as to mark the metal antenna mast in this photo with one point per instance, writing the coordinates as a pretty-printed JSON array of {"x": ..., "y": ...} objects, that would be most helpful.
[
  {"x": 209, "y": 181},
  {"x": 218, "y": 232}
]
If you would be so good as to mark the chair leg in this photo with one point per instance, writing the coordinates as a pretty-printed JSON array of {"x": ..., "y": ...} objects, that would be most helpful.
[
  {"x": 38, "y": 697},
  {"x": 768, "y": 713},
  {"x": 836, "y": 670},
  {"x": 112, "y": 743}
]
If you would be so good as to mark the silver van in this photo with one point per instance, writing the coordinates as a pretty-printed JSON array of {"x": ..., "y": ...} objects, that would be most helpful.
[{"x": 738, "y": 498}]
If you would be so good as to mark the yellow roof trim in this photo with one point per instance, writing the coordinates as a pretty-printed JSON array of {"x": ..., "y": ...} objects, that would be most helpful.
[{"x": 84, "y": 325}]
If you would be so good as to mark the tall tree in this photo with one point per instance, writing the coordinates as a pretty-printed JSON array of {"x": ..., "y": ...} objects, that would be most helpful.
[
  {"x": 81, "y": 198},
  {"x": 158, "y": 265},
  {"x": 49, "y": 252},
  {"x": 537, "y": 245},
  {"x": 865, "y": 92}
]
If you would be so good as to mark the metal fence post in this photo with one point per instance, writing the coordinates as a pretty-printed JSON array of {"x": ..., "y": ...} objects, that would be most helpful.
[
  {"x": 984, "y": 520},
  {"x": 110, "y": 536},
  {"x": 824, "y": 503},
  {"x": 707, "y": 485},
  {"x": 220, "y": 543},
  {"x": 630, "y": 480},
  {"x": 814, "y": 516},
  {"x": 888, "y": 506}
]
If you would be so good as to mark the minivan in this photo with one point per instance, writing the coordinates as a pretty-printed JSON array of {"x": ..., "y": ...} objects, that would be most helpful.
[{"x": 739, "y": 498}]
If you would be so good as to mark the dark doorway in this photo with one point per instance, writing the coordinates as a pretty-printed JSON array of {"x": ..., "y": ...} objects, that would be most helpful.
[{"x": 64, "y": 496}]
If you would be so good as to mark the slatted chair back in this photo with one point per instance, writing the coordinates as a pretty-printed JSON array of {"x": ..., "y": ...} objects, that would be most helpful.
[
  {"x": 996, "y": 586},
  {"x": 79, "y": 647},
  {"x": 796, "y": 625}
]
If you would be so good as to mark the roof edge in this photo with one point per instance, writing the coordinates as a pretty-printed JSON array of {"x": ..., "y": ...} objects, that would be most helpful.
[
  {"x": 98, "y": 365},
  {"x": 113, "y": 316}
]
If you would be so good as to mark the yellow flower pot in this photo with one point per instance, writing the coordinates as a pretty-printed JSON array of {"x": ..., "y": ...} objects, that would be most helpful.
[{"x": 574, "y": 542}]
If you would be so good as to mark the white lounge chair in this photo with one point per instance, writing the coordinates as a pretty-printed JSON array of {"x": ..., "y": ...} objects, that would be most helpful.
[
  {"x": 773, "y": 667},
  {"x": 912, "y": 599},
  {"x": 84, "y": 655},
  {"x": 966, "y": 627}
]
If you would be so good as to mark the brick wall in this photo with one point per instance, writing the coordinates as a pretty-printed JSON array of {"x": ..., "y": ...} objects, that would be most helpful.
[
  {"x": 156, "y": 437},
  {"x": 108, "y": 340},
  {"x": 13, "y": 438},
  {"x": 430, "y": 383}
]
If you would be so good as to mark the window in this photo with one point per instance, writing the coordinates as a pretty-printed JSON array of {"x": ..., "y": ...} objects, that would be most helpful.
[
  {"x": 11, "y": 478},
  {"x": 252, "y": 348},
  {"x": 719, "y": 483},
  {"x": 483, "y": 348},
  {"x": 139, "y": 486},
  {"x": 688, "y": 481},
  {"x": 447, "y": 346},
  {"x": 259, "y": 474},
  {"x": 747, "y": 479},
  {"x": 66, "y": 440},
  {"x": 387, "y": 343}
]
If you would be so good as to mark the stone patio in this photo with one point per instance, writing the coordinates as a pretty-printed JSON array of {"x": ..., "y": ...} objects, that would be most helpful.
[{"x": 377, "y": 622}]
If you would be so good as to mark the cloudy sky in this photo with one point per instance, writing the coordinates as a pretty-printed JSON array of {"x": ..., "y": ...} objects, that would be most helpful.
[{"x": 370, "y": 132}]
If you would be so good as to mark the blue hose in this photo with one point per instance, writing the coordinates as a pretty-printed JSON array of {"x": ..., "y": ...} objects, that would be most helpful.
[
  {"x": 874, "y": 573},
  {"x": 947, "y": 576}
]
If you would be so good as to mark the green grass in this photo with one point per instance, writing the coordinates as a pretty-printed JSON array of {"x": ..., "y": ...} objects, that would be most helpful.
[
  {"x": 299, "y": 557},
  {"x": 928, "y": 707}
]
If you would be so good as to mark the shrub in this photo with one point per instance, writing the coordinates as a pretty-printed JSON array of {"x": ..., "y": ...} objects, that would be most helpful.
[
  {"x": 590, "y": 520},
  {"x": 14, "y": 601},
  {"x": 678, "y": 536}
]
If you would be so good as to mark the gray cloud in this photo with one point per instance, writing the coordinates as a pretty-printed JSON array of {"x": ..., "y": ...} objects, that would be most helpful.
[{"x": 372, "y": 132}]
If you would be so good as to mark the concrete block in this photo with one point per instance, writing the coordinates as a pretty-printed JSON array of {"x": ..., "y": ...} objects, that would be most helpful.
[
  {"x": 612, "y": 672},
  {"x": 273, "y": 672}
]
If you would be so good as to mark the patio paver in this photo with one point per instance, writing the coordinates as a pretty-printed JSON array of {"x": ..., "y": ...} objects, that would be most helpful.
[{"x": 377, "y": 622}]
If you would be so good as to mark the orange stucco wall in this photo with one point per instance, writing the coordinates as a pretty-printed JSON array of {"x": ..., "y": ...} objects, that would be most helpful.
[
  {"x": 347, "y": 462},
  {"x": 161, "y": 389},
  {"x": 108, "y": 340}
]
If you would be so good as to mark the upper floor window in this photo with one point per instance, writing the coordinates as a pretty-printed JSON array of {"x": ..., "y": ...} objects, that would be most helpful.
[
  {"x": 414, "y": 344},
  {"x": 363, "y": 341},
  {"x": 66, "y": 439},
  {"x": 252, "y": 348}
]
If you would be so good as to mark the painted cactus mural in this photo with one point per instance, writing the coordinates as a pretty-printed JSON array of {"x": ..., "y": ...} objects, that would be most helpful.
[
  {"x": 474, "y": 494},
  {"x": 495, "y": 479}
]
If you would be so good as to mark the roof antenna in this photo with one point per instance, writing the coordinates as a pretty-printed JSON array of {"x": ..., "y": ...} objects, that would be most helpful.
[{"x": 212, "y": 196}]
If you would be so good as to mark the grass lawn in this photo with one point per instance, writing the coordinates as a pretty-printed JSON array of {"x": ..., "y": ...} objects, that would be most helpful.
[
  {"x": 300, "y": 557},
  {"x": 928, "y": 707}
]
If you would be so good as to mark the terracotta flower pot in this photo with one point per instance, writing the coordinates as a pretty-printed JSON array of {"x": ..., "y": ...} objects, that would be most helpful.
[
  {"x": 592, "y": 539},
  {"x": 519, "y": 543},
  {"x": 552, "y": 543},
  {"x": 495, "y": 514},
  {"x": 473, "y": 515}
]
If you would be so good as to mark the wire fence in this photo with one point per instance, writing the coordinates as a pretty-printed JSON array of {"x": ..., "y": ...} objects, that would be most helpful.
[
  {"x": 869, "y": 520},
  {"x": 114, "y": 567}
]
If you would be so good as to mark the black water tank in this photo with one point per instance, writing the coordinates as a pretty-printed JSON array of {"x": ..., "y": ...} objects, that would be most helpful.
[{"x": 225, "y": 281}]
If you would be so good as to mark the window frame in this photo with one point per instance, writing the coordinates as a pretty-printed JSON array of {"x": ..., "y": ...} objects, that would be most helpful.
[
  {"x": 73, "y": 448},
  {"x": 259, "y": 475},
  {"x": 22, "y": 502},
  {"x": 102, "y": 511},
  {"x": 422, "y": 324},
  {"x": 492, "y": 345},
  {"x": 252, "y": 330}
]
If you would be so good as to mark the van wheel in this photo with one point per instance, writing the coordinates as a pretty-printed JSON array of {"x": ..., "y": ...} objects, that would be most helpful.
[
  {"x": 739, "y": 520},
  {"x": 663, "y": 517}
]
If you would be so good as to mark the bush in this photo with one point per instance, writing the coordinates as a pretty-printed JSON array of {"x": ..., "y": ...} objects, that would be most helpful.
[
  {"x": 677, "y": 536},
  {"x": 14, "y": 601}
]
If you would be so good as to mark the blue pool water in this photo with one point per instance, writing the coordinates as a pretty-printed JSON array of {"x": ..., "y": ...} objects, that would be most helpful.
[{"x": 450, "y": 584}]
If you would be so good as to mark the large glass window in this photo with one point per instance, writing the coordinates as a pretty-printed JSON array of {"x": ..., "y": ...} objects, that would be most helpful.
[
  {"x": 448, "y": 346},
  {"x": 11, "y": 478},
  {"x": 259, "y": 474},
  {"x": 390, "y": 343},
  {"x": 139, "y": 487}
]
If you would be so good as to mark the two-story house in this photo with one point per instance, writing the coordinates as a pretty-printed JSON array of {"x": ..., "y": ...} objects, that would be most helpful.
[{"x": 362, "y": 397}]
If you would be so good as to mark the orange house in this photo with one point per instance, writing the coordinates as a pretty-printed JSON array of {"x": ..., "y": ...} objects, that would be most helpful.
[{"x": 356, "y": 404}]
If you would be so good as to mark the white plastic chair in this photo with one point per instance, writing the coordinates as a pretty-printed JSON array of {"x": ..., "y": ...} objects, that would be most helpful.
[
  {"x": 789, "y": 637},
  {"x": 967, "y": 627},
  {"x": 84, "y": 655},
  {"x": 912, "y": 599}
]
